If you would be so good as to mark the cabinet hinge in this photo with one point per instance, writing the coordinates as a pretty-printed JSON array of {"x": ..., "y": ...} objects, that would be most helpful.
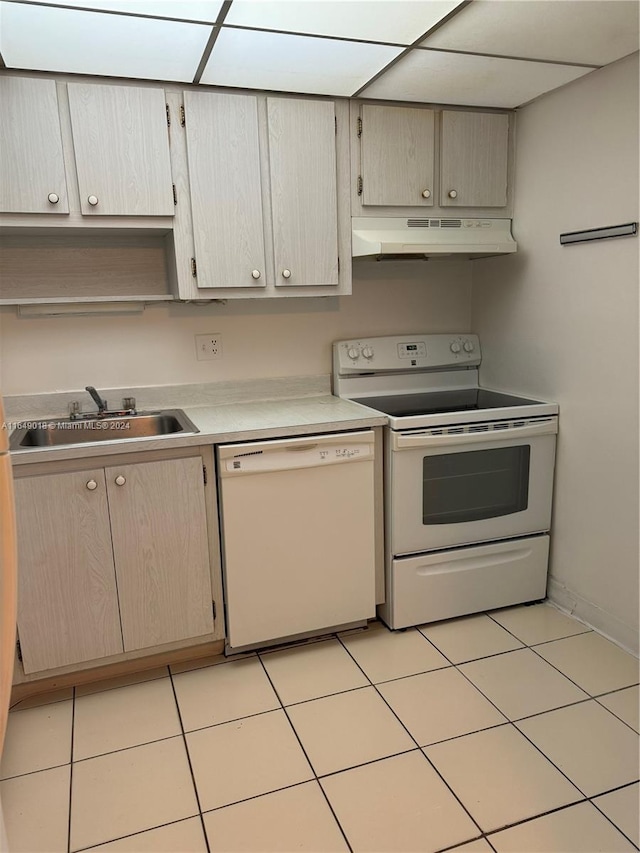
[
  {"x": 359, "y": 127},
  {"x": 213, "y": 607},
  {"x": 168, "y": 115},
  {"x": 19, "y": 650},
  {"x": 359, "y": 184},
  {"x": 175, "y": 195},
  {"x": 182, "y": 116},
  {"x": 194, "y": 268},
  {"x": 204, "y": 474}
]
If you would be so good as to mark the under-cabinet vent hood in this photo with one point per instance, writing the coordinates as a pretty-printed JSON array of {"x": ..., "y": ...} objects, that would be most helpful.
[{"x": 431, "y": 237}]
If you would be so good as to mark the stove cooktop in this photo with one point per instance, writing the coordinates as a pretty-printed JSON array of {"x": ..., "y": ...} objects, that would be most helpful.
[{"x": 443, "y": 402}]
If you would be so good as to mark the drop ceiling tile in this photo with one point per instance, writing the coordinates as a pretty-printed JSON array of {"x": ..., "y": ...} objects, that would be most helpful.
[
  {"x": 591, "y": 31},
  {"x": 192, "y": 10},
  {"x": 95, "y": 43},
  {"x": 289, "y": 63},
  {"x": 397, "y": 21},
  {"x": 456, "y": 78}
]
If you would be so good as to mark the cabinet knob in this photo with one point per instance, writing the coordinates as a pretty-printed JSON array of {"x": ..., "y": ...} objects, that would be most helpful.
[
  {"x": 255, "y": 273},
  {"x": 91, "y": 485},
  {"x": 120, "y": 480},
  {"x": 93, "y": 200},
  {"x": 426, "y": 193},
  {"x": 452, "y": 194},
  {"x": 286, "y": 273},
  {"x": 54, "y": 198}
]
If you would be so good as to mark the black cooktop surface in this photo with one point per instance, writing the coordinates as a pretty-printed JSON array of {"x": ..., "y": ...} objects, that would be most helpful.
[{"x": 441, "y": 402}]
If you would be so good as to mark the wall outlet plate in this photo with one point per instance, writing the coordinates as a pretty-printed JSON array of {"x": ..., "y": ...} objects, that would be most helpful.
[{"x": 208, "y": 347}]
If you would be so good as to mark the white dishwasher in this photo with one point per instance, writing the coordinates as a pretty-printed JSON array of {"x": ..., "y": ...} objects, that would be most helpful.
[{"x": 298, "y": 535}]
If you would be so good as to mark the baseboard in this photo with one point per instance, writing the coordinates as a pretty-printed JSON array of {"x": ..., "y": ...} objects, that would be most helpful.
[{"x": 593, "y": 616}]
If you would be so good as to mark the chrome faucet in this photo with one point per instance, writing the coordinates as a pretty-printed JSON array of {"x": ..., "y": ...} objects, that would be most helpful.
[{"x": 100, "y": 402}]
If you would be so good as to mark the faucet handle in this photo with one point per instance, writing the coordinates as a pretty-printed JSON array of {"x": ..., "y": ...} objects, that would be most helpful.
[
  {"x": 75, "y": 409},
  {"x": 129, "y": 404}
]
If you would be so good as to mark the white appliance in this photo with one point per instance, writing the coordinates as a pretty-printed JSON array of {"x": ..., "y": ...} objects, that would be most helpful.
[
  {"x": 8, "y": 591},
  {"x": 430, "y": 236},
  {"x": 297, "y": 520},
  {"x": 468, "y": 476}
]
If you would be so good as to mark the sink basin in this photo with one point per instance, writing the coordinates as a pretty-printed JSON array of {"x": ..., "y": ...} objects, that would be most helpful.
[{"x": 61, "y": 432}]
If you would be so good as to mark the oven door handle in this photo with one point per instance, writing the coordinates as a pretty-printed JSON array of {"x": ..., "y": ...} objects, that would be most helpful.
[{"x": 403, "y": 441}]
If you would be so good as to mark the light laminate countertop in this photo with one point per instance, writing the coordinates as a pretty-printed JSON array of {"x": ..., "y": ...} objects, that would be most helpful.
[{"x": 218, "y": 422}]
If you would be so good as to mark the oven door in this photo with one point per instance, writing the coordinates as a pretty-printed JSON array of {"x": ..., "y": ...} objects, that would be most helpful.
[{"x": 452, "y": 487}]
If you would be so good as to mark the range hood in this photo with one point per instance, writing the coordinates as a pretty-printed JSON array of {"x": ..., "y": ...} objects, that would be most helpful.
[{"x": 399, "y": 237}]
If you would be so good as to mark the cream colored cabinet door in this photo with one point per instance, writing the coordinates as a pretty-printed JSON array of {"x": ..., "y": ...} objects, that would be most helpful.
[
  {"x": 226, "y": 189},
  {"x": 121, "y": 144},
  {"x": 397, "y": 156},
  {"x": 302, "y": 170},
  {"x": 473, "y": 159},
  {"x": 67, "y": 597},
  {"x": 32, "y": 174},
  {"x": 158, "y": 524}
]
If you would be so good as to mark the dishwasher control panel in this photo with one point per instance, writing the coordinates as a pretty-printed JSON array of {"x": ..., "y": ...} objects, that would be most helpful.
[{"x": 295, "y": 453}]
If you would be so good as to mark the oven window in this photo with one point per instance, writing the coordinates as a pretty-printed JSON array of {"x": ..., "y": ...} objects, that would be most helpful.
[{"x": 459, "y": 487}]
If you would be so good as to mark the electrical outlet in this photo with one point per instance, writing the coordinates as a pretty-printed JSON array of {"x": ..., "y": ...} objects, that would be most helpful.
[{"x": 208, "y": 347}]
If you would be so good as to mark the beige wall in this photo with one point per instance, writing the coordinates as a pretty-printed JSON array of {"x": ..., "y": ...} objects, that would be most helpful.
[
  {"x": 259, "y": 339},
  {"x": 562, "y": 323}
]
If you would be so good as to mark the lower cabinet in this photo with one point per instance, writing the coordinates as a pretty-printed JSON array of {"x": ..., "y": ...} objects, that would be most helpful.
[{"x": 112, "y": 560}]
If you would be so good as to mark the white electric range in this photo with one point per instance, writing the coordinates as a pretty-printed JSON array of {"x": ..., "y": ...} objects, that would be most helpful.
[{"x": 468, "y": 476}]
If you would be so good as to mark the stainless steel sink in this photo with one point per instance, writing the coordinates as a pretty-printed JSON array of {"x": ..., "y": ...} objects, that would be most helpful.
[{"x": 61, "y": 432}]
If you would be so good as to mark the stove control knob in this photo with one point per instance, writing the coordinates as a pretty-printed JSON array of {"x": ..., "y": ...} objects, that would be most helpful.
[
  {"x": 455, "y": 347},
  {"x": 353, "y": 352},
  {"x": 367, "y": 352},
  {"x": 468, "y": 346}
]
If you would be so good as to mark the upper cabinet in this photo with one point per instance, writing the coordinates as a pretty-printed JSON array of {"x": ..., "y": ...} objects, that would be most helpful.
[
  {"x": 263, "y": 182},
  {"x": 397, "y": 153},
  {"x": 121, "y": 146},
  {"x": 225, "y": 184},
  {"x": 302, "y": 171},
  {"x": 85, "y": 150},
  {"x": 473, "y": 159},
  {"x": 32, "y": 173},
  {"x": 416, "y": 157}
]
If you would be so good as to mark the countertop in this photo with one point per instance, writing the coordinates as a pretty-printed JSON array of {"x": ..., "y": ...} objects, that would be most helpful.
[{"x": 309, "y": 409}]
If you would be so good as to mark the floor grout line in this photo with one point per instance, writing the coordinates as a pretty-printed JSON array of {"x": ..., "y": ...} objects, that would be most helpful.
[
  {"x": 584, "y": 689},
  {"x": 602, "y": 812},
  {"x": 509, "y": 722},
  {"x": 193, "y": 777},
  {"x": 73, "y": 732},
  {"x": 134, "y": 834},
  {"x": 376, "y": 686},
  {"x": 293, "y": 728},
  {"x": 435, "y": 769}
]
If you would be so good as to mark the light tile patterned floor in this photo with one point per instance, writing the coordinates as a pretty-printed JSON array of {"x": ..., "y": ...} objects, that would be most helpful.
[{"x": 514, "y": 731}]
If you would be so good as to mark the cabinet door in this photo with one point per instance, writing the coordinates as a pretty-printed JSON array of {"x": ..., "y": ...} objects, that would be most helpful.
[
  {"x": 121, "y": 146},
  {"x": 302, "y": 166},
  {"x": 67, "y": 599},
  {"x": 158, "y": 523},
  {"x": 32, "y": 174},
  {"x": 397, "y": 149},
  {"x": 473, "y": 159},
  {"x": 225, "y": 184}
]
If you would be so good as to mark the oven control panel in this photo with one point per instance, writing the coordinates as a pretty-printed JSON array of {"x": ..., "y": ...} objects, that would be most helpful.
[{"x": 405, "y": 353}]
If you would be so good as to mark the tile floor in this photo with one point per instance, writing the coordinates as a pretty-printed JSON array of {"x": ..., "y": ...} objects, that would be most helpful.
[{"x": 514, "y": 731}]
